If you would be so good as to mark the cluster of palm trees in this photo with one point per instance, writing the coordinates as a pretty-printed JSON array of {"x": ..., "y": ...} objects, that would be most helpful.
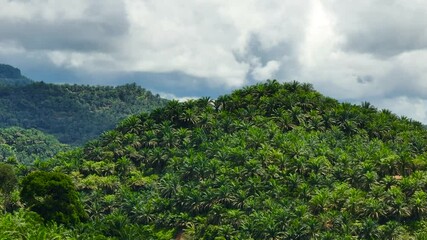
[{"x": 270, "y": 161}]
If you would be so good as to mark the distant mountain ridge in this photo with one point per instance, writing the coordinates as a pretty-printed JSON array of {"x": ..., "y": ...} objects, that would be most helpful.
[
  {"x": 72, "y": 113},
  {"x": 7, "y": 71},
  {"x": 11, "y": 76}
]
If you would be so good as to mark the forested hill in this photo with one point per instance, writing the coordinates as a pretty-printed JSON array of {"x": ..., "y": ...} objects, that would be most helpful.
[
  {"x": 270, "y": 161},
  {"x": 72, "y": 113},
  {"x": 25, "y": 146},
  {"x": 11, "y": 76}
]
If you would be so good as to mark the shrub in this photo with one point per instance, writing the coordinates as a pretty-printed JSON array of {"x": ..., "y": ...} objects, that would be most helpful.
[{"x": 53, "y": 196}]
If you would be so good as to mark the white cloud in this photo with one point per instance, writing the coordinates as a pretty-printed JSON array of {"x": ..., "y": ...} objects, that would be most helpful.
[
  {"x": 352, "y": 50},
  {"x": 268, "y": 71},
  {"x": 201, "y": 38},
  {"x": 172, "y": 96},
  {"x": 182, "y": 36},
  {"x": 71, "y": 59},
  {"x": 415, "y": 108},
  {"x": 10, "y": 47}
]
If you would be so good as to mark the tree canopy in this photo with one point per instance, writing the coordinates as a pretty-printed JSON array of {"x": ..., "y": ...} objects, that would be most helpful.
[
  {"x": 11, "y": 76},
  {"x": 24, "y": 146},
  {"x": 72, "y": 113},
  {"x": 53, "y": 196},
  {"x": 8, "y": 182},
  {"x": 269, "y": 161}
]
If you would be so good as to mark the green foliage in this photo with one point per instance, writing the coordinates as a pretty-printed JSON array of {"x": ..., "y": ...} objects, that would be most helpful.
[
  {"x": 10, "y": 76},
  {"x": 270, "y": 161},
  {"x": 18, "y": 145},
  {"x": 72, "y": 113},
  {"x": 8, "y": 182},
  {"x": 53, "y": 196},
  {"x": 7, "y": 71},
  {"x": 28, "y": 225}
]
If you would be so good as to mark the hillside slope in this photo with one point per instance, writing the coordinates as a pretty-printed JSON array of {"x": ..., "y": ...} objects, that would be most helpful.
[
  {"x": 11, "y": 76},
  {"x": 18, "y": 145},
  {"x": 270, "y": 161},
  {"x": 73, "y": 113}
]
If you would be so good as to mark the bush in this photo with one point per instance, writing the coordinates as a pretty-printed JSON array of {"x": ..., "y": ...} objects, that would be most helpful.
[{"x": 53, "y": 196}]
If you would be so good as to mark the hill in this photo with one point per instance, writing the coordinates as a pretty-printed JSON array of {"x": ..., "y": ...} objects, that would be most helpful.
[
  {"x": 270, "y": 161},
  {"x": 18, "y": 145},
  {"x": 11, "y": 76},
  {"x": 72, "y": 113}
]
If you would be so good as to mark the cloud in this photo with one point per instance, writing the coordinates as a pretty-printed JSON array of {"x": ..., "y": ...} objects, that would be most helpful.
[
  {"x": 416, "y": 108},
  {"x": 69, "y": 34},
  {"x": 174, "y": 97},
  {"x": 352, "y": 51},
  {"x": 81, "y": 26},
  {"x": 209, "y": 40},
  {"x": 268, "y": 71},
  {"x": 365, "y": 79},
  {"x": 382, "y": 28}
]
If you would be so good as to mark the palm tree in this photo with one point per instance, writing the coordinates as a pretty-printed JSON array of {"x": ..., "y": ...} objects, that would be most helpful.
[
  {"x": 156, "y": 158},
  {"x": 293, "y": 86},
  {"x": 418, "y": 203},
  {"x": 306, "y": 87},
  {"x": 122, "y": 166},
  {"x": 205, "y": 102},
  {"x": 169, "y": 185},
  {"x": 328, "y": 119},
  {"x": 368, "y": 229},
  {"x": 150, "y": 138},
  {"x": 297, "y": 115},
  {"x": 170, "y": 112},
  {"x": 374, "y": 208},
  {"x": 368, "y": 106},
  {"x": 222, "y": 103},
  {"x": 189, "y": 117},
  {"x": 315, "y": 121},
  {"x": 132, "y": 124},
  {"x": 355, "y": 199},
  {"x": 397, "y": 206},
  {"x": 320, "y": 202},
  {"x": 183, "y": 135}
]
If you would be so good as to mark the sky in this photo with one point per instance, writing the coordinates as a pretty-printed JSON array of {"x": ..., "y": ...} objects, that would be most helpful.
[{"x": 355, "y": 51}]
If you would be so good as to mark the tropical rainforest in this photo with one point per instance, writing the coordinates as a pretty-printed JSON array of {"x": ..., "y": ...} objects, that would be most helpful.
[
  {"x": 269, "y": 161},
  {"x": 74, "y": 114}
]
